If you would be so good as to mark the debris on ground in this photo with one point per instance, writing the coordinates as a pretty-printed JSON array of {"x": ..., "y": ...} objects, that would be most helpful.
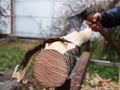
[{"x": 98, "y": 83}]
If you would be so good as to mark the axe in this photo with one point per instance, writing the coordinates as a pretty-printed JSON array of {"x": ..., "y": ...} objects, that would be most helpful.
[{"x": 87, "y": 14}]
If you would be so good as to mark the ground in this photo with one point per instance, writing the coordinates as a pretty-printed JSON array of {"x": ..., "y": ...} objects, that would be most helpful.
[
  {"x": 9, "y": 48},
  {"x": 28, "y": 82}
]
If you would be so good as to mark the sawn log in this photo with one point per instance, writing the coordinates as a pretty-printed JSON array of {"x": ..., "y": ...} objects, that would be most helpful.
[{"x": 55, "y": 62}]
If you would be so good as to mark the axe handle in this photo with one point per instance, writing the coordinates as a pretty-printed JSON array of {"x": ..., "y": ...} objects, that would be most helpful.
[
  {"x": 107, "y": 37},
  {"x": 104, "y": 34}
]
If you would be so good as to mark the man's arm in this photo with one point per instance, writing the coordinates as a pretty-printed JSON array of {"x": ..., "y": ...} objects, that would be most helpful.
[{"x": 111, "y": 18}]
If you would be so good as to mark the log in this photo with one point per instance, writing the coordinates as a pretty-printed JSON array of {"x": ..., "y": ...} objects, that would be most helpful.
[
  {"x": 54, "y": 63},
  {"x": 106, "y": 63},
  {"x": 6, "y": 83},
  {"x": 79, "y": 71}
]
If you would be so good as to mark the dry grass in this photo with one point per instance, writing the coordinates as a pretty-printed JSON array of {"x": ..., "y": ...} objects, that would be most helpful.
[{"x": 24, "y": 44}]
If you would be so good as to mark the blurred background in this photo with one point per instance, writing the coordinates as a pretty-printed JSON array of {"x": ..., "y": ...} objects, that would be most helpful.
[{"x": 26, "y": 23}]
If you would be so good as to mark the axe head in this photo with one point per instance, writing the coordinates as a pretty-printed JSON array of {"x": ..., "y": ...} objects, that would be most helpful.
[{"x": 77, "y": 19}]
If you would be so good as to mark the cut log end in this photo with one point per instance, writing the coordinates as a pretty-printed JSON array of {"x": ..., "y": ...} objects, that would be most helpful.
[{"x": 50, "y": 68}]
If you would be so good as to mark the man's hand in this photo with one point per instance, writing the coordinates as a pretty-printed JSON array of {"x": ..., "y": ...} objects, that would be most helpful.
[{"x": 92, "y": 24}]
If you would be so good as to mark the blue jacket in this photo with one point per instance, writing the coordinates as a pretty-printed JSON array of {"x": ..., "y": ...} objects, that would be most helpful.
[{"x": 111, "y": 18}]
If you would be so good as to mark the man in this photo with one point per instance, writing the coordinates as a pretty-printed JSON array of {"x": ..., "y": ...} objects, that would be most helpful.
[{"x": 110, "y": 18}]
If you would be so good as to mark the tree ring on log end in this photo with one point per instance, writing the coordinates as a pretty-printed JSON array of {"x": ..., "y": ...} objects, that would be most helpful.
[{"x": 50, "y": 68}]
